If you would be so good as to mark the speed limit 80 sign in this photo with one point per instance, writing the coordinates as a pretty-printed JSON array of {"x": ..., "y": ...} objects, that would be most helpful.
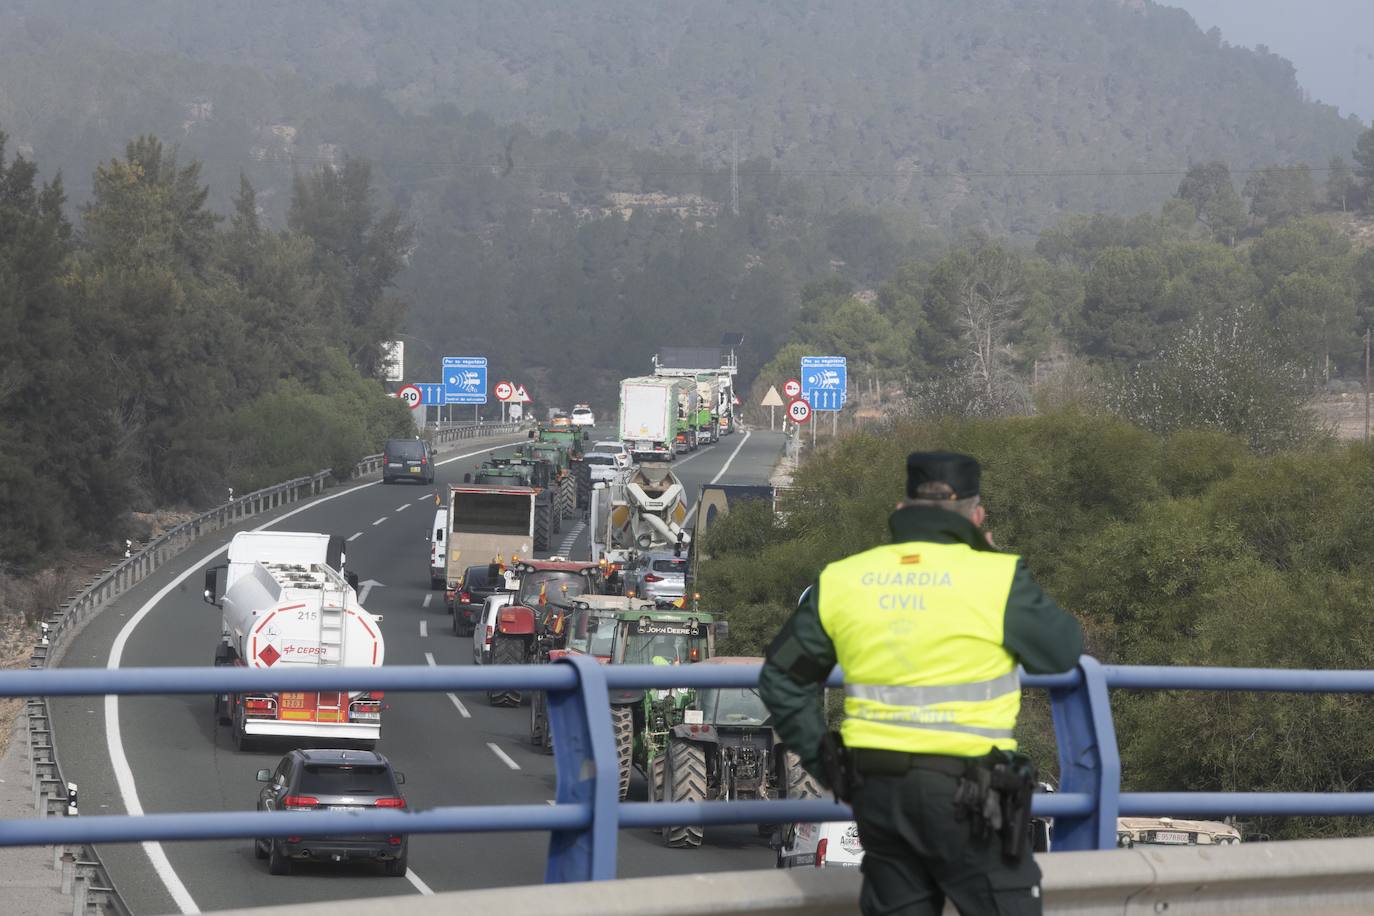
[
  {"x": 799, "y": 410},
  {"x": 409, "y": 396}
]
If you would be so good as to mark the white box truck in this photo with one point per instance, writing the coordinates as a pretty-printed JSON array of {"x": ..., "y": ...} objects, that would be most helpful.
[
  {"x": 288, "y": 604},
  {"x": 649, "y": 417}
]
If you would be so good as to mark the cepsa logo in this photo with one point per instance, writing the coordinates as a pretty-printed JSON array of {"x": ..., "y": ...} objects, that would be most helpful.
[{"x": 296, "y": 649}]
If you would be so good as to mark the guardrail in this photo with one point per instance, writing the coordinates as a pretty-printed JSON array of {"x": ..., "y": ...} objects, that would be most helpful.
[
  {"x": 83, "y": 873},
  {"x": 587, "y": 813}
]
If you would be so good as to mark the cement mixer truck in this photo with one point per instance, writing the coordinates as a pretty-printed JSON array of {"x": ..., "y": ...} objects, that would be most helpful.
[
  {"x": 645, "y": 510},
  {"x": 287, "y": 603}
]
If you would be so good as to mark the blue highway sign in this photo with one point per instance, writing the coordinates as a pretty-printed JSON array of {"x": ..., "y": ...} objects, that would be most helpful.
[
  {"x": 430, "y": 392},
  {"x": 465, "y": 380},
  {"x": 825, "y": 381}
]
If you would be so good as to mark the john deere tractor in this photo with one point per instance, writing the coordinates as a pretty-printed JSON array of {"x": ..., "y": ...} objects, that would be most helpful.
[
  {"x": 519, "y": 472},
  {"x": 625, "y": 631},
  {"x": 720, "y": 747}
]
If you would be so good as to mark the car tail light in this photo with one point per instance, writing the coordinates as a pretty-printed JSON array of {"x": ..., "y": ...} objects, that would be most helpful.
[
  {"x": 293, "y": 839},
  {"x": 820, "y": 852},
  {"x": 465, "y": 598},
  {"x": 653, "y": 578},
  {"x": 389, "y": 803},
  {"x": 299, "y": 802},
  {"x": 394, "y": 840},
  {"x": 488, "y": 635}
]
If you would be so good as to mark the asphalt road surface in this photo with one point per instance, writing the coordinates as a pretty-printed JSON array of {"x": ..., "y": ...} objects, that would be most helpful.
[{"x": 465, "y": 752}]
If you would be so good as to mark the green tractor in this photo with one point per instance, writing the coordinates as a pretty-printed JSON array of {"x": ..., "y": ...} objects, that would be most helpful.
[
  {"x": 571, "y": 440},
  {"x": 627, "y": 631},
  {"x": 518, "y": 472},
  {"x": 564, "y": 481},
  {"x": 720, "y": 747}
]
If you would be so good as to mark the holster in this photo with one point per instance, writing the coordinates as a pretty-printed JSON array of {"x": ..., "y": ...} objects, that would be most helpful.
[
  {"x": 994, "y": 795},
  {"x": 839, "y": 772}
]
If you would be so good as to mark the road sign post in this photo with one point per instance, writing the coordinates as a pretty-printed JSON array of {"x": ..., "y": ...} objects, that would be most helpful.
[
  {"x": 465, "y": 380},
  {"x": 772, "y": 400}
]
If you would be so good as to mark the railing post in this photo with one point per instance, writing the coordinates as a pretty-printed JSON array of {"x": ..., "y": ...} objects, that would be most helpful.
[
  {"x": 588, "y": 774},
  {"x": 1088, "y": 759}
]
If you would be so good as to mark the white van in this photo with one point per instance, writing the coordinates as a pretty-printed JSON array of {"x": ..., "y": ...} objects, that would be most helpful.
[
  {"x": 438, "y": 541},
  {"x": 834, "y": 844}
]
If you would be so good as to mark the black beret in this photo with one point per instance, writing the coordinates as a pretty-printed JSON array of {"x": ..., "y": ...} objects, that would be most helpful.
[{"x": 961, "y": 473}]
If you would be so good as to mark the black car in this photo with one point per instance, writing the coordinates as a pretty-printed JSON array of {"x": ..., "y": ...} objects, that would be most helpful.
[
  {"x": 332, "y": 780},
  {"x": 407, "y": 459},
  {"x": 479, "y": 583}
]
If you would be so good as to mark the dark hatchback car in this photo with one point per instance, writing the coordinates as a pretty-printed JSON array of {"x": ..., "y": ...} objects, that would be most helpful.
[
  {"x": 407, "y": 459},
  {"x": 332, "y": 780},
  {"x": 479, "y": 583}
]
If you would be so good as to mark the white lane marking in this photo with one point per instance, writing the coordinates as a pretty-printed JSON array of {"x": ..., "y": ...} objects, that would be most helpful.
[
  {"x": 403, "y": 507},
  {"x": 462, "y": 710},
  {"x": 566, "y": 547},
  {"x": 431, "y": 498},
  {"x": 723, "y": 468},
  {"x": 379, "y": 521},
  {"x": 424, "y": 629},
  {"x": 420, "y": 886},
  {"x": 429, "y": 657},
  {"x": 355, "y": 537},
  {"x": 114, "y": 742},
  {"x": 505, "y": 758},
  {"x": 425, "y": 603}
]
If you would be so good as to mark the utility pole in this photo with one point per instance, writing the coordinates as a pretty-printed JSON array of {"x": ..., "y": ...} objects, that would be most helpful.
[{"x": 734, "y": 172}]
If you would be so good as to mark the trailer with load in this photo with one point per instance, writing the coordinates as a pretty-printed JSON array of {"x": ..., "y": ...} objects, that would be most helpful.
[
  {"x": 518, "y": 472},
  {"x": 487, "y": 524},
  {"x": 286, "y": 604}
]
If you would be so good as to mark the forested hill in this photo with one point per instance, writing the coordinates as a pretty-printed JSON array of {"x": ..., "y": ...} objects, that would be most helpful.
[{"x": 926, "y": 102}]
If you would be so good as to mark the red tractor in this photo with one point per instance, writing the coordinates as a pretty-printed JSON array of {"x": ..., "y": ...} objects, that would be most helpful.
[{"x": 520, "y": 624}]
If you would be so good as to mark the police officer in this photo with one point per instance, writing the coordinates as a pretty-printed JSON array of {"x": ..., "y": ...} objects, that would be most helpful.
[{"x": 929, "y": 630}]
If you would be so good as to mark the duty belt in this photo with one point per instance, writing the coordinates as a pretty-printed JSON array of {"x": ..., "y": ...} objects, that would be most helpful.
[{"x": 871, "y": 761}]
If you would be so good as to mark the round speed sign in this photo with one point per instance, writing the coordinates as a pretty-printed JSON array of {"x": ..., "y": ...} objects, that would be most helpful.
[
  {"x": 410, "y": 396},
  {"x": 799, "y": 410},
  {"x": 792, "y": 388},
  {"x": 504, "y": 390}
]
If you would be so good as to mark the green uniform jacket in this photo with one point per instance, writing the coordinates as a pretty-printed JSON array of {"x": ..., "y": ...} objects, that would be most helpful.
[{"x": 1043, "y": 637}]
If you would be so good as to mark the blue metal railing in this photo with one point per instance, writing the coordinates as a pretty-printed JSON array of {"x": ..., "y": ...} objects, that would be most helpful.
[{"x": 587, "y": 814}]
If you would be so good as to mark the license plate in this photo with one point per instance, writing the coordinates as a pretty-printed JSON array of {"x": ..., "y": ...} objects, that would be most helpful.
[
  {"x": 1171, "y": 836},
  {"x": 293, "y": 701},
  {"x": 371, "y": 716},
  {"x": 414, "y": 470}
]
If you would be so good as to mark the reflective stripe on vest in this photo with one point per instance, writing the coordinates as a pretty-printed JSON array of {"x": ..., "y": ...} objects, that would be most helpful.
[{"x": 917, "y": 628}]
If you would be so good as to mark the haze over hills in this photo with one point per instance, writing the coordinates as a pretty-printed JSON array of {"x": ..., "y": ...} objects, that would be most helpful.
[{"x": 953, "y": 110}]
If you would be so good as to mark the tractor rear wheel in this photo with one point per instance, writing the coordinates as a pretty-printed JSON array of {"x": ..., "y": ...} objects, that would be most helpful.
[
  {"x": 686, "y": 783},
  {"x": 623, "y": 724},
  {"x": 543, "y": 526},
  {"x": 583, "y": 472},
  {"x": 506, "y": 652}
]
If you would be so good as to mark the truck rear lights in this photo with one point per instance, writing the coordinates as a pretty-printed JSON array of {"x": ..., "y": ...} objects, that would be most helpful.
[
  {"x": 820, "y": 852},
  {"x": 393, "y": 841},
  {"x": 376, "y": 695},
  {"x": 396, "y": 802},
  {"x": 299, "y": 802},
  {"x": 260, "y": 707}
]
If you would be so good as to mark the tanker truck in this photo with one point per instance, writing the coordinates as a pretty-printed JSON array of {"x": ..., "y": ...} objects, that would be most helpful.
[{"x": 288, "y": 604}]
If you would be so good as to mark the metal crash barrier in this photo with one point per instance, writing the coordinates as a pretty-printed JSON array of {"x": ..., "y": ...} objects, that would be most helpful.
[{"x": 585, "y": 819}]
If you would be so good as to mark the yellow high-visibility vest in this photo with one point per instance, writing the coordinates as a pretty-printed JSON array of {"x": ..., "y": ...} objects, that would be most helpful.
[{"x": 917, "y": 628}]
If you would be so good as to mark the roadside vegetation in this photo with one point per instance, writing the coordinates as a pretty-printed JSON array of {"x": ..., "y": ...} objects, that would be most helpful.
[{"x": 155, "y": 353}]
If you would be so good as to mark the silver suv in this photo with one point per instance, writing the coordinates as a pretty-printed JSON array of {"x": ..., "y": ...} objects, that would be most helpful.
[{"x": 657, "y": 576}]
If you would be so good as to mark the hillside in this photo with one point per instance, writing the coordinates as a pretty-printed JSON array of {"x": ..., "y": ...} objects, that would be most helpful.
[{"x": 927, "y": 103}]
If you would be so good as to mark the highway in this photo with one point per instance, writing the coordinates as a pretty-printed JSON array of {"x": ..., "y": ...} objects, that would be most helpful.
[{"x": 454, "y": 749}]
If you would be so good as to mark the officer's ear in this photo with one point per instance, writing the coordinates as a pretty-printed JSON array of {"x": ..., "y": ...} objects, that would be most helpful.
[{"x": 980, "y": 515}]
